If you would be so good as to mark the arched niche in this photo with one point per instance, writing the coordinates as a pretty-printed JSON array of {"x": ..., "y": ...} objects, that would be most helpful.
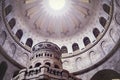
[
  {"x": 102, "y": 21},
  {"x": 25, "y": 57},
  {"x": 29, "y": 42},
  {"x": 96, "y": 32},
  {"x": 117, "y": 18},
  {"x": 19, "y": 34},
  {"x": 82, "y": 62},
  {"x": 22, "y": 58},
  {"x": 104, "y": 47},
  {"x": 79, "y": 63},
  {"x": 12, "y": 23},
  {"x": 65, "y": 64},
  {"x": 3, "y": 37},
  {"x": 37, "y": 64},
  {"x": 13, "y": 49},
  {"x": 114, "y": 35},
  {"x": 3, "y": 69},
  {"x": 106, "y": 8},
  {"x": 8, "y": 9},
  {"x": 86, "y": 41},
  {"x": 48, "y": 64},
  {"x": 56, "y": 66},
  {"x": 106, "y": 74},
  {"x": 75, "y": 47},
  {"x": 94, "y": 57},
  {"x": 64, "y": 49}
]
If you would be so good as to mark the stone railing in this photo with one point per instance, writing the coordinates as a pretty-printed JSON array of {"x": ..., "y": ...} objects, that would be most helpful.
[{"x": 42, "y": 72}]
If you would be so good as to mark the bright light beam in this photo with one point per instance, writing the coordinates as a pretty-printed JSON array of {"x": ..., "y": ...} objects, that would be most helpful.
[{"x": 57, "y": 4}]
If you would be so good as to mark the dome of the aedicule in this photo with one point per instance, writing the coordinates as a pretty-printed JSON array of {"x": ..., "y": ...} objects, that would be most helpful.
[{"x": 86, "y": 31}]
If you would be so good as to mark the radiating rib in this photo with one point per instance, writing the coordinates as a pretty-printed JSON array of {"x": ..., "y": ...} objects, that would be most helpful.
[
  {"x": 86, "y": 1},
  {"x": 29, "y": 1}
]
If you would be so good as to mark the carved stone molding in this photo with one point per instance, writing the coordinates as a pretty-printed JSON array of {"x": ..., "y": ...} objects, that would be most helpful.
[{"x": 117, "y": 18}]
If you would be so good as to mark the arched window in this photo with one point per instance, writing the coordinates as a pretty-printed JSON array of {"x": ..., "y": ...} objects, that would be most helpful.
[
  {"x": 86, "y": 41},
  {"x": 106, "y": 75},
  {"x": 15, "y": 73},
  {"x": 96, "y": 32},
  {"x": 3, "y": 37},
  {"x": 3, "y": 69},
  {"x": 30, "y": 67},
  {"x": 102, "y": 21},
  {"x": 19, "y": 34},
  {"x": 29, "y": 42},
  {"x": 12, "y": 23},
  {"x": 48, "y": 64},
  {"x": 106, "y": 8},
  {"x": 56, "y": 66},
  {"x": 75, "y": 47},
  {"x": 37, "y": 64},
  {"x": 8, "y": 9},
  {"x": 64, "y": 49}
]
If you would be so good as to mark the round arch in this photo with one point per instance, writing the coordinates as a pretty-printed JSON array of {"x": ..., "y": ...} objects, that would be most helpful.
[{"x": 106, "y": 74}]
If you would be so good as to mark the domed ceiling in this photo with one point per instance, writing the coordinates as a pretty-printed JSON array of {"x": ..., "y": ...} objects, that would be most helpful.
[
  {"x": 78, "y": 27},
  {"x": 48, "y": 19},
  {"x": 57, "y": 19}
]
